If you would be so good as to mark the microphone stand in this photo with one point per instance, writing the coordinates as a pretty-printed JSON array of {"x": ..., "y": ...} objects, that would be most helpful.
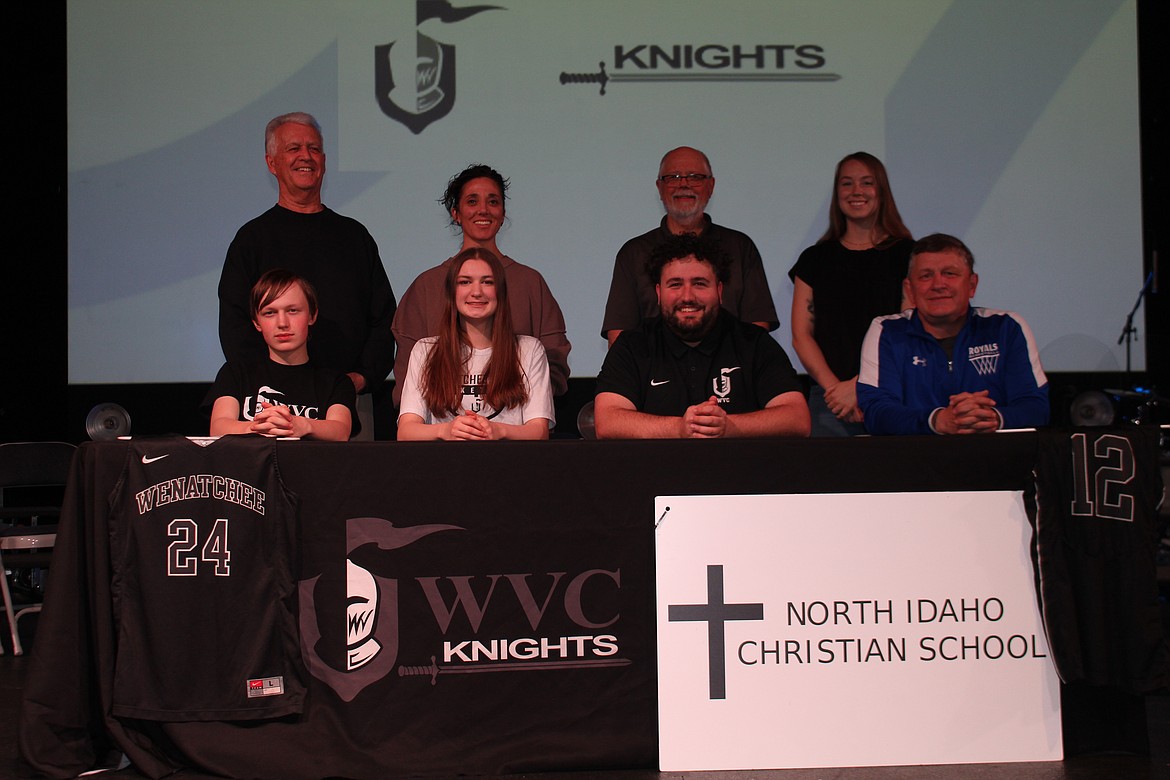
[{"x": 1127, "y": 333}]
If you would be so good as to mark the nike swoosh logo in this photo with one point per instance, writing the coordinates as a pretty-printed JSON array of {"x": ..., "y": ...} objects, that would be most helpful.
[
  {"x": 157, "y": 457},
  {"x": 657, "y": 382}
]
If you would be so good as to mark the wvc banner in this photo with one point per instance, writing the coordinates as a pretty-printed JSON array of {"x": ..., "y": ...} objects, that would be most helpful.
[{"x": 849, "y": 630}]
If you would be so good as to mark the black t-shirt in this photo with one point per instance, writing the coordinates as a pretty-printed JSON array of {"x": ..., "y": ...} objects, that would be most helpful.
[
  {"x": 850, "y": 288},
  {"x": 738, "y": 363},
  {"x": 307, "y": 389}
]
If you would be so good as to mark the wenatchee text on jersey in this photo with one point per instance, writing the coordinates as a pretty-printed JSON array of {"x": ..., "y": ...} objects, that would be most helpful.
[{"x": 200, "y": 486}]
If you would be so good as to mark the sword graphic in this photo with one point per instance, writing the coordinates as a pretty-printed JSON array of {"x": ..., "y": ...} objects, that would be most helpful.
[
  {"x": 604, "y": 78},
  {"x": 587, "y": 78},
  {"x": 433, "y": 670}
]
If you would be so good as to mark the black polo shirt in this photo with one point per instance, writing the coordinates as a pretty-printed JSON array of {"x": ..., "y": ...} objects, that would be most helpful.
[{"x": 738, "y": 363}]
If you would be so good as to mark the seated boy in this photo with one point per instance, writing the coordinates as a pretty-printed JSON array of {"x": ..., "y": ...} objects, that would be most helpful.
[{"x": 285, "y": 395}]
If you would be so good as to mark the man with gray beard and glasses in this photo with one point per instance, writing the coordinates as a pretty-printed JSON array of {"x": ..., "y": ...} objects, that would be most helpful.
[{"x": 685, "y": 185}]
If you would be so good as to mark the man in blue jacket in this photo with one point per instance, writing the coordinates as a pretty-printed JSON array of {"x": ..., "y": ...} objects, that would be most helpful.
[{"x": 945, "y": 366}]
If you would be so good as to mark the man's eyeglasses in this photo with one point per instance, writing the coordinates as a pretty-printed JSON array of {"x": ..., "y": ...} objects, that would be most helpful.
[{"x": 679, "y": 178}]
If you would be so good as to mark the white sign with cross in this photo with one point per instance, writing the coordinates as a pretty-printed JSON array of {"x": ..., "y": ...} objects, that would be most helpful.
[{"x": 850, "y": 630}]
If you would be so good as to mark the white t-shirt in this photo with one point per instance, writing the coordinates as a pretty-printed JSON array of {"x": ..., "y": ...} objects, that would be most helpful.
[{"x": 533, "y": 363}]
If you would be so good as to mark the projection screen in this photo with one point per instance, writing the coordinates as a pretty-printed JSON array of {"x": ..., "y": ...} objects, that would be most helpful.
[{"x": 1012, "y": 125}]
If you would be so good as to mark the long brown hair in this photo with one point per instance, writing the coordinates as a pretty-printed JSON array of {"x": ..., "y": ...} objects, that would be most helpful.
[
  {"x": 442, "y": 377},
  {"x": 888, "y": 224}
]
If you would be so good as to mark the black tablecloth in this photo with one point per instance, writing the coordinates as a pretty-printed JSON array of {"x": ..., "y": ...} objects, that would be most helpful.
[{"x": 552, "y": 547}]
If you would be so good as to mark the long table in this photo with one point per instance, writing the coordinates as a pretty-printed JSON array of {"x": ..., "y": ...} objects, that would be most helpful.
[{"x": 516, "y": 637}]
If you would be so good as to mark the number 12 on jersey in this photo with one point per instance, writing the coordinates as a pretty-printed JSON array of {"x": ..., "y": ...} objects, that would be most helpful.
[{"x": 1106, "y": 493}]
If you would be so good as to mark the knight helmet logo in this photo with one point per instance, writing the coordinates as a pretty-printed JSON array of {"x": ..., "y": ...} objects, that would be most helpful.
[
  {"x": 361, "y": 616},
  {"x": 369, "y": 605},
  {"x": 425, "y": 90}
]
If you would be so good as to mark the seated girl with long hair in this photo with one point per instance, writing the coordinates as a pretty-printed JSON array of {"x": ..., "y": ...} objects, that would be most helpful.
[{"x": 477, "y": 380}]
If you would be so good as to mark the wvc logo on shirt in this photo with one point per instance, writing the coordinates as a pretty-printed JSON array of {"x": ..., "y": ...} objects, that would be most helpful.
[
  {"x": 985, "y": 358},
  {"x": 273, "y": 397},
  {"x": 721, "y": 385},
  {"x": 424, "y": 90}
]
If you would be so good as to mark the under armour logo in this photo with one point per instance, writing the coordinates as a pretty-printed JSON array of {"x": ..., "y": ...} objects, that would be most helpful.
[{"x": 918, "y": 361}]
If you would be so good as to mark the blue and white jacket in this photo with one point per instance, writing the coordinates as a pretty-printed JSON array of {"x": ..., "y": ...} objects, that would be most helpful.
[{"x": 906, "y": 375}]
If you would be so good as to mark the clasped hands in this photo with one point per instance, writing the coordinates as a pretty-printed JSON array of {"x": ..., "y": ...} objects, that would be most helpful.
[
  {"x": 275, "y": 420},
  {"x": 704, "y": 421},
  {"x": 968, "y": 413},
  {"x": 841, "y": 399},
  {"x": 470, "y": 426}
]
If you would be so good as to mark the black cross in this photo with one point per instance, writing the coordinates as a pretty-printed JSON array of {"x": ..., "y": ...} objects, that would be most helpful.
[{"x": 715, "y": 613}]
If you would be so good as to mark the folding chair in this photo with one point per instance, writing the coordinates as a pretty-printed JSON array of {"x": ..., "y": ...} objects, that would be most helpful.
[{"x": 32, "y": 465}]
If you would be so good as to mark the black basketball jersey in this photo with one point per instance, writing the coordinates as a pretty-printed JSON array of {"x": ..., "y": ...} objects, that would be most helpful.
[
  {"x": 203, "y": 541},
  {"x": 1095, "y": 540}
]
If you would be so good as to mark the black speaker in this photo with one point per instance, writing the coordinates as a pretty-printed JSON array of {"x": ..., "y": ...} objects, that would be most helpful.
[
  {"x": 1092, "y": 407},
  {"x": 107, "y": 421}
]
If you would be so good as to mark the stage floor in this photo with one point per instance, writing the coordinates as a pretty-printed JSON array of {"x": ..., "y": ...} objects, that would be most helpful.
[{"x": 1085, "y": 767}]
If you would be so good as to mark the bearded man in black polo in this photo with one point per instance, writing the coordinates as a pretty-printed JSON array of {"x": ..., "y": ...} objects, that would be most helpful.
[{"x": 696, "y": 371}]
